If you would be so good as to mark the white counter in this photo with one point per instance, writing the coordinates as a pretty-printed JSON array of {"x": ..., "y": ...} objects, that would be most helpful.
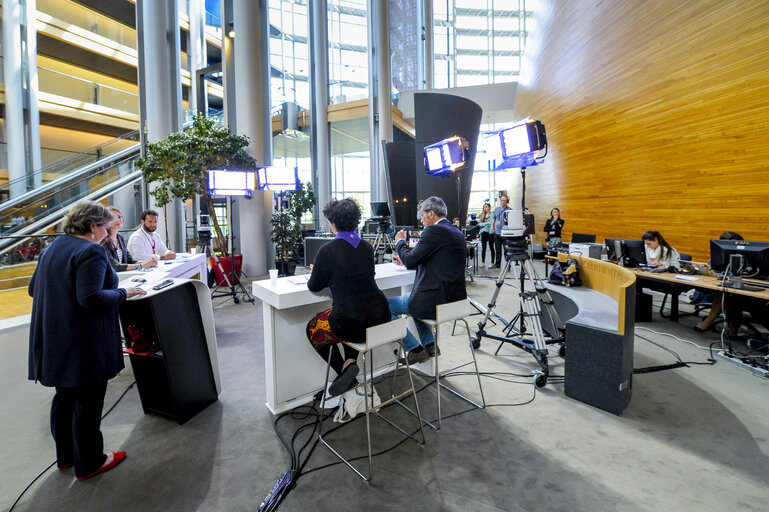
[
  {"x": 191, "y": 266},
  {"x": 294, "y": 372}
]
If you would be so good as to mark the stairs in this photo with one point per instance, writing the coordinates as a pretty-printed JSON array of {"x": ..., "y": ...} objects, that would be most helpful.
[
  {"x": 16, "y": 276},
  {"x": 14, "y": 299}
]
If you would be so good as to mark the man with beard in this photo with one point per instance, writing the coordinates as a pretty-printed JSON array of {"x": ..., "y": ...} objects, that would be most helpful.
[{"x": 145, "y": 243}]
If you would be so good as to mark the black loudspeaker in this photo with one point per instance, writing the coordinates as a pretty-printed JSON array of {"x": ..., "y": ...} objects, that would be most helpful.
[{"x": 599, "y": 367}]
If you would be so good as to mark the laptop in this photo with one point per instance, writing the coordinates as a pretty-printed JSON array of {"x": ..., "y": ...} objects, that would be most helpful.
[{"x": 695, "y": 267}]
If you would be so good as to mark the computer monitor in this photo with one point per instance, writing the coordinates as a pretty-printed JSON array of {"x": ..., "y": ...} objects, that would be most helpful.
[
  {"x": 380, "y": 209},
  {"x": 581, "y": 238},
  {"x": 631, "y": 252},
  {"x": 756, "y": 255}
]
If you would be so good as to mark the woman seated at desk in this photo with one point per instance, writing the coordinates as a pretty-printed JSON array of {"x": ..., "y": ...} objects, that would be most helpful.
[
  {"x": 346, "y": 266},
  {"x": 659, "y": 253},
  {"x": 117, "y": 253}
]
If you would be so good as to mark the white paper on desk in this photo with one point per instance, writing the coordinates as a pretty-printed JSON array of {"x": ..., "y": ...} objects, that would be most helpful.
[
  {"x": 687, "y": 278},
  {"x": 300, "y": 280}
]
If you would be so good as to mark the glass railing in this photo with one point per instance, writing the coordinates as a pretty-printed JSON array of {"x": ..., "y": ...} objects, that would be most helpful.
[
  {"x": 73, "y": 162},
  {"x": 84, "y": 18},
  {"x": 68, "y": 86}
]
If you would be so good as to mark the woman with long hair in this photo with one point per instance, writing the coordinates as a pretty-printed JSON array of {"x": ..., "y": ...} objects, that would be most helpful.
[
  {"x": 659, "y": 253},
  {"x": 487, "y": 236},
  {"x": 117, "y": 252}
]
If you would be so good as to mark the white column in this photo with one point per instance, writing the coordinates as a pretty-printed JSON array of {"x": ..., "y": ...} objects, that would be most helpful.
[
  {"x": 429, "y": 44},
  {"x": 384, "y": 93},
  {"x": 319, "y": 113},
  {"x": 196, "y": 46},
  {"x": 252, "y": 102},
  {"x": 22, "y": 124},
  {"x": 159, "y": 69}
]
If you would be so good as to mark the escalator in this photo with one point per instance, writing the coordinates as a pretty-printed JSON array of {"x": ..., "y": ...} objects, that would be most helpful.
[{"x": 26, "y": 218}]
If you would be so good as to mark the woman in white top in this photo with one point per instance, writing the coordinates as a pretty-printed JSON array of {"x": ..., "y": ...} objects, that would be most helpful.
[
  {"x": 487, "y": 235},
  {"x": 659, "y": 253}
]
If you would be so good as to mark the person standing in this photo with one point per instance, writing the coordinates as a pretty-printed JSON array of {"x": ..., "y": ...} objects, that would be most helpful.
[
  {"x": 146, "y": 243},
  {"x": 74, "y": 336},
  {"x": 487, "y": 235},
  {"x": 553, "y": 227},
  {"x": 117, "y": 252},
  {"x": 499, "y": 221},
  {"x": 439, "y": 259}
]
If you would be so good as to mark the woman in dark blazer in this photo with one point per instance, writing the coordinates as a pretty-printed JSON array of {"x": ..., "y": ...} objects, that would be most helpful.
[
  {"x": 346, "y": 266},
  {"x": 117, "y": 253},
  {"x": 74, "y": 339}
]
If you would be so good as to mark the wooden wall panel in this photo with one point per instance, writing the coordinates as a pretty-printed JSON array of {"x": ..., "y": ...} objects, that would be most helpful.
[{"x": 657, "y": 116}]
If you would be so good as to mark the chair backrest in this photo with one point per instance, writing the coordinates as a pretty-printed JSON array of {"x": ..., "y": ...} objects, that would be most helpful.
[
  {"x": 685, "y": 257},
  {"x": 388, "y": 332},
  {"x": 453, "y": 311}
]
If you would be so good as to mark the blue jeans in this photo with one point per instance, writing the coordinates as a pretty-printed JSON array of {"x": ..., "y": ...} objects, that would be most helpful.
[{"x": 400, "y": 306}]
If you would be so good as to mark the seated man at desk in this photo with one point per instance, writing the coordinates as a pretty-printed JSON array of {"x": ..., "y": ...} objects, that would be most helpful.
[
  {"x": 439, "y": 259},
  {"x": 146, "y": 243}
]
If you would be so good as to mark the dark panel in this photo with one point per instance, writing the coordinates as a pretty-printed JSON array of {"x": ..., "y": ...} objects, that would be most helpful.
[
  {"x": 65, "y": 52},
  {"x": 83, "y": 126},
  {"x": 437, "y": 117},
  {"x": 122, "y": 11},
  {"x": 402, "y": 177},
  {"x": 599, "y": 367}
]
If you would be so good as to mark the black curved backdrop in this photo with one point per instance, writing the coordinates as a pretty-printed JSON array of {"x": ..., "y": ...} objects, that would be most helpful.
[{"x": 437, "y": 117}]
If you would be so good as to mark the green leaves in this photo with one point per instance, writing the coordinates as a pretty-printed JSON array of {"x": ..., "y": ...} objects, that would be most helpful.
[
  {"x": 177, "y": 165},
  {"x": 287, "y": 223}
]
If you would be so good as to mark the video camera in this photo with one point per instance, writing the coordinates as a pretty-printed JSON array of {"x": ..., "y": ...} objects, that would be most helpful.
[
  {"x": 517, "y": 224},
  {"x": 381, "y": 213}
]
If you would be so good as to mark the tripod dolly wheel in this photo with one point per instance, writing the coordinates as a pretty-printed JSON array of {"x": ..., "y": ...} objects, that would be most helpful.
[
  {"x": 236, "y": 300},
  {"x": 562, "y": 350},
  {"x": 539, "y": 380}
]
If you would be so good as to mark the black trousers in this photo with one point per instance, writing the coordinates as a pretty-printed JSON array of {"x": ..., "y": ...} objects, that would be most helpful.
[
  {"x": 487, "y": 238},
  {"x": 337, "y": 361},
  {"x": 75, "y": 425},
  {"x": 499, "y": 250}
]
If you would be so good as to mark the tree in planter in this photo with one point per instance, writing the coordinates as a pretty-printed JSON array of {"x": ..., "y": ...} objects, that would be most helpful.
[
  {"x": 287, "y": 224},
  {"x": 177, "y": 165}
]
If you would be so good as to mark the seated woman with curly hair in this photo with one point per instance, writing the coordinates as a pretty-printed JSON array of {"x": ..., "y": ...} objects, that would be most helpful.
[{"x": 346, "y": 266}]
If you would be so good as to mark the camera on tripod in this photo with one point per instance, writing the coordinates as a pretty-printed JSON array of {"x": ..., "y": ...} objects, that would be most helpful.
[
  {"x": 380, "y": 212},
  {"x": 518, "y": 224}
]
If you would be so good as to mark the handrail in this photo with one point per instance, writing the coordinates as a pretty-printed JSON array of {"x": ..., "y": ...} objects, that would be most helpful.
[
  {"x": 110, "y": 159},
  {"x": 54, "y": 218}
]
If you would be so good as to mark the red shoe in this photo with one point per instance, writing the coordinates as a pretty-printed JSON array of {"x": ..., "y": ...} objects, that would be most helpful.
[
  {"x": 65, "y": 466},
  {"x": 112, "y": 460}
]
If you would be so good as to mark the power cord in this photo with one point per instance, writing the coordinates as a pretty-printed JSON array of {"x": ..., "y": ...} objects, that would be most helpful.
[
  {"x": 54, "y": 462},
  {"x": 287, "y": 481}
]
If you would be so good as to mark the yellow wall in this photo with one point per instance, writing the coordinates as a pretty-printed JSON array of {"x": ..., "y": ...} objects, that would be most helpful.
[{"x": 657, "y": 116}]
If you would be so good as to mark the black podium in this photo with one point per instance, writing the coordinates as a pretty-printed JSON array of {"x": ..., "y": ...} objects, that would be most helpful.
[{"x": 177, "y": 380}]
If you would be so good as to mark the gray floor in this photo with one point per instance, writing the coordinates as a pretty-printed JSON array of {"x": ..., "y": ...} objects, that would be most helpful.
[{"x": 693, "y": 438}]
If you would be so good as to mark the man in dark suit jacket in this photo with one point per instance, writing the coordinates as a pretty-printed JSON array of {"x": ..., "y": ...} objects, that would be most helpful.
[{"x": 439, "y": 259}]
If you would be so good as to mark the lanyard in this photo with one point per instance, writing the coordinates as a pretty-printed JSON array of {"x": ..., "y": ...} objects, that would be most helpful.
[{"x": 150, "y": 240}]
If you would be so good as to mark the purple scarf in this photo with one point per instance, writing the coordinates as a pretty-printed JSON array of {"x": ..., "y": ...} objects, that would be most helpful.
[{"x": 351, "y": 237}]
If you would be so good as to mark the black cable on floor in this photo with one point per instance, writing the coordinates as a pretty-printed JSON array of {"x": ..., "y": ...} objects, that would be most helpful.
[{"x": 54, "y": 462}]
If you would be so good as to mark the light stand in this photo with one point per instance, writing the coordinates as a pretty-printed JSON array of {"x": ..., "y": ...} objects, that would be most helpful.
[{"x": 232, "y": 280}]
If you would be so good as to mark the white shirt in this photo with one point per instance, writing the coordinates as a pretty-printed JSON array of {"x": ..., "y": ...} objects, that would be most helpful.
[{"x": 143, "y": 245}]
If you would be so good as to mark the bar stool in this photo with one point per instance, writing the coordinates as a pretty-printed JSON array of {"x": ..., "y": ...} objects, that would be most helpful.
[
  {"x": 444, "y": 313},
  {"x": 377, "y": 336}
]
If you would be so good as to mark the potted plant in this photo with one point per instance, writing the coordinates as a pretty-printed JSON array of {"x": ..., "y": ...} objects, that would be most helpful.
[
  {"x": 287, "y": 227},
  {"x": 177, "y": 165}
]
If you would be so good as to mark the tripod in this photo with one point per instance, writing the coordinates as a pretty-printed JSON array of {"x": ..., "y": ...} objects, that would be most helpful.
[
  {"x": 530, "y": 311},
  {"x": 383, "y": 242},
  {"x": 231, "y": 279}
]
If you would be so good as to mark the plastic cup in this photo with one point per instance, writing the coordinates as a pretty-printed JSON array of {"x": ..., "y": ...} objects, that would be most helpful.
[{"x": 273, "y": 275}]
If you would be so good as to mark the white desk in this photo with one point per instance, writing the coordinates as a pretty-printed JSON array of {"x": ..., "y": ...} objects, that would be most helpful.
[
  {"x": 185, "y": 265},
  {"x": 293, "y": 370}
]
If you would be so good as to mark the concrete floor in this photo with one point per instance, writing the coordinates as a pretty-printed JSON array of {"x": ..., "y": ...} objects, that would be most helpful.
[{"x": 694, "y": 438}]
